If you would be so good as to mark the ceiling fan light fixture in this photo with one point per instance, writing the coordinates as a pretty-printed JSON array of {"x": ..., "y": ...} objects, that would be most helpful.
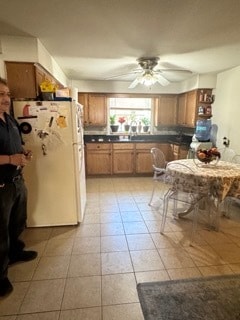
[{"x": 147, "y": 79}]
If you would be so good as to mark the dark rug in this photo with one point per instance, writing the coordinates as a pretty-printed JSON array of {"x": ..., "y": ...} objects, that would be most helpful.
[{"x": 209, "y": 298}]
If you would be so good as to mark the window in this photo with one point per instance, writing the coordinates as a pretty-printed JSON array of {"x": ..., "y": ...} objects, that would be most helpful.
[{"x": 134, "y": 112}]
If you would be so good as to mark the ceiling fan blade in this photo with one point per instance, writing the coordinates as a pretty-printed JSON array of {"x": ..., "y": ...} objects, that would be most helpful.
[
  {"x": 123, "y": 74},
  {"x": 172, "y": 70},
  {"x": 160, "y": 79},
  {"x": 134, "y": 83}
]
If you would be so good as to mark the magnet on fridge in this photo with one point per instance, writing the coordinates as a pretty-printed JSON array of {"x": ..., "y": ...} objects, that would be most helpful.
[{"x": 25, "y": 127}]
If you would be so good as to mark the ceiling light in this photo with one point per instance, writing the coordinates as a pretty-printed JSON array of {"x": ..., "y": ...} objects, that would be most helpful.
[{"x": 147, "y": 79}]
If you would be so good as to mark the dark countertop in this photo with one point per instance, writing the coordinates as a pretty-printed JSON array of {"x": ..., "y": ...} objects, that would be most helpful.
[{"x": 174, "y": 139}]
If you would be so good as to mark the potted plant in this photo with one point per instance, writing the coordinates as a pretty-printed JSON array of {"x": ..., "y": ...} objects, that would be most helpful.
[
  {"x": 113, "y": 125},
  {"x": 126, "y": 126},
  {"x": 133, "y": 122},
  {"x": 146, "y": 124}
]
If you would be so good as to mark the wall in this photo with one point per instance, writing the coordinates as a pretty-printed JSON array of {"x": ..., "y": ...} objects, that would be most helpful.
[
  {"x": 17, "y": 49},
  {"x": 226, "y": 108},
  {"x": 196, "y": 81},
  {"x": 28, "y": 49}
]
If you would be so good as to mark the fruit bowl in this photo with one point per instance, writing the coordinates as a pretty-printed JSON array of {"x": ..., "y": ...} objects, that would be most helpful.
[{"x": 207, "y": 156}]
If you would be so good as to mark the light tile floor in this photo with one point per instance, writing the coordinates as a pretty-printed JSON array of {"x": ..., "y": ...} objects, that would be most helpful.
[{"x": 90, "y": 271}]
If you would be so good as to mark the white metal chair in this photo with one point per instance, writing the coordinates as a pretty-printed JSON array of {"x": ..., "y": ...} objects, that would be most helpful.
[
  {"x": 227, "y": 154},
  {"x": 228, "y": 201},
  {"x": 159, "y": 169},
  {"x": 190, "y": 192}
]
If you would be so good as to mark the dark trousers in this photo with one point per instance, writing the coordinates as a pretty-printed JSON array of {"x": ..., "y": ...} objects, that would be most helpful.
[{"x": 13, "y": 215}]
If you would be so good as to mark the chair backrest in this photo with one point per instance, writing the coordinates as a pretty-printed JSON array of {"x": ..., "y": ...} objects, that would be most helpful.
[
  {"x": 236, "y": 159},
  {"x": 158, "y": 159},
  {"x": 184, "y": 179},
  {"x": 227, "y": 154}
]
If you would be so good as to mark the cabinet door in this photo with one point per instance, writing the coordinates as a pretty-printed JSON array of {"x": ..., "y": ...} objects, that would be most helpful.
[
  {"x": 164, "y": 147},
  {"x": 183, "y": 152},
  {"x": 21, "y": 79},
  {"x": 144, "y": 158},
  {"x": 97, "y": 110},
  {"x": 99, "y": 158},
  {"x": 181, "y": 110},
  {"x": 165, "y": 110},
  {"x": 191, "y": 108},
  {"x": 98, "y": 162},
  {"x": 144, "y": 161},
  {"x": 83, "y": 100},
  {"x": 123, "y": 161}
]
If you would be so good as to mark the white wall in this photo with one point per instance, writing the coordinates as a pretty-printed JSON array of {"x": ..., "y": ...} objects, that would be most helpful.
[
  {"x": 17, "y": 49},
  {"x": 28, "y": 49},
  {"x": 47, "y": 61},
  {"x": 226, "y": 108},
  {"x": 196, "y": 81}
]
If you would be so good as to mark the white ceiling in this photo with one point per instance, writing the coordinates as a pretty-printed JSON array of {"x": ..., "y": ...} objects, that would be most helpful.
[{"x": 97, "y": 39}]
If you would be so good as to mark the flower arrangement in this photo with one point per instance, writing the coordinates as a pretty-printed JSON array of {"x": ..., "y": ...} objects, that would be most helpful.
[{"x": 121, "y": 120}]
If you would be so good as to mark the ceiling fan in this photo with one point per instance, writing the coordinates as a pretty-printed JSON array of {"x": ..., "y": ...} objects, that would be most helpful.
[{"x": 148, "y": 75}]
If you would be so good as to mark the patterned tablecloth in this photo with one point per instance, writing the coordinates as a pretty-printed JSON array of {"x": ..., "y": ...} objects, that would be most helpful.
[{"x": 223, "y": 178}]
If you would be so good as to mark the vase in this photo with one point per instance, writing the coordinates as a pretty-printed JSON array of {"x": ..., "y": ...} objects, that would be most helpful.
[
  {"x": 126, "y": 127},
  {"x": 145, "y": 128},
  {"x": 114, "y": 127}
]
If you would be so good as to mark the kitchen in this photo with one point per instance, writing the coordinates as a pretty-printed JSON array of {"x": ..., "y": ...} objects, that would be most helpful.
[{"x": 46, "y": 278}]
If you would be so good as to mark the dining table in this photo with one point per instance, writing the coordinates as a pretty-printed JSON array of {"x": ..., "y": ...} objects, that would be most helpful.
[{"x": 223, "y": 179}]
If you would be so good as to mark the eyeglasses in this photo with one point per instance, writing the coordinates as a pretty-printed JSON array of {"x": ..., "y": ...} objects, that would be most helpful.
[{"x": 3, "y": 93}]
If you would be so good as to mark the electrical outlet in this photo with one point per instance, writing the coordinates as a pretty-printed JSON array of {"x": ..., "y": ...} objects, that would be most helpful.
[{"x": 226, "y": 142}]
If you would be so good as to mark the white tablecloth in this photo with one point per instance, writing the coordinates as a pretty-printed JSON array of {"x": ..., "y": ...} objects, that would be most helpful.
[{"x": 223, "y": 178}]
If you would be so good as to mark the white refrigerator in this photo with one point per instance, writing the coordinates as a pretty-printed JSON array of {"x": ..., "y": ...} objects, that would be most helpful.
[{"x": 55, "y": 177}]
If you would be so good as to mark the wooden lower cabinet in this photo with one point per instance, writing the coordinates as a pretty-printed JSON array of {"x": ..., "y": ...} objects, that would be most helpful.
[
  {"x": 123, "y": 158},
  {"x": 178, "y": 152},
  {"x": 143, "y": 157},
  {"x": 98, "y": 158}
]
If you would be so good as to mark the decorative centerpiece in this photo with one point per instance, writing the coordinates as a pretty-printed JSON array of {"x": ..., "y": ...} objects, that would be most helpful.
[
  {"x": 121, "y": 120},
  {"x": 207, "y": 156}
]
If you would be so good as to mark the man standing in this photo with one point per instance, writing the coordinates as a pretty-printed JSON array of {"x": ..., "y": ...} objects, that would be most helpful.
[{"x": 13, "y": 192}]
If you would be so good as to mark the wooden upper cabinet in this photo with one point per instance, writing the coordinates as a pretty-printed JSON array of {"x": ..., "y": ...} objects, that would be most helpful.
[
  {"x": 191, "y": 108},
  {"x": 21, "y": 79},
  {"x": 165, "y": 110},
  {"x": 182, "y": 109},
  {"x": 24, "y": 79},
  {"x": 95, "y": 108}
]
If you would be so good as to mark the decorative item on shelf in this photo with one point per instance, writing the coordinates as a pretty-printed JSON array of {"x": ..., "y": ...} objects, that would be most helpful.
[
  {"x": 207, "y": 97},
  {"x": 121, "y": 120},
  {"x": 207, "y": 156},
  {"x": 209, "y": 110},
  {"x": 201, "y": 110},
  {"x": 139, "y": 127},
  {"x": 47, "y": 90},
  {"x": 146, "y": 124},
  {"x": 114, "y": 127}
]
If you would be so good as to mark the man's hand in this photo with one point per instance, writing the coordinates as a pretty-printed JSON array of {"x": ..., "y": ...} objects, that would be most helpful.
[{"x": 18, "y": 159}]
